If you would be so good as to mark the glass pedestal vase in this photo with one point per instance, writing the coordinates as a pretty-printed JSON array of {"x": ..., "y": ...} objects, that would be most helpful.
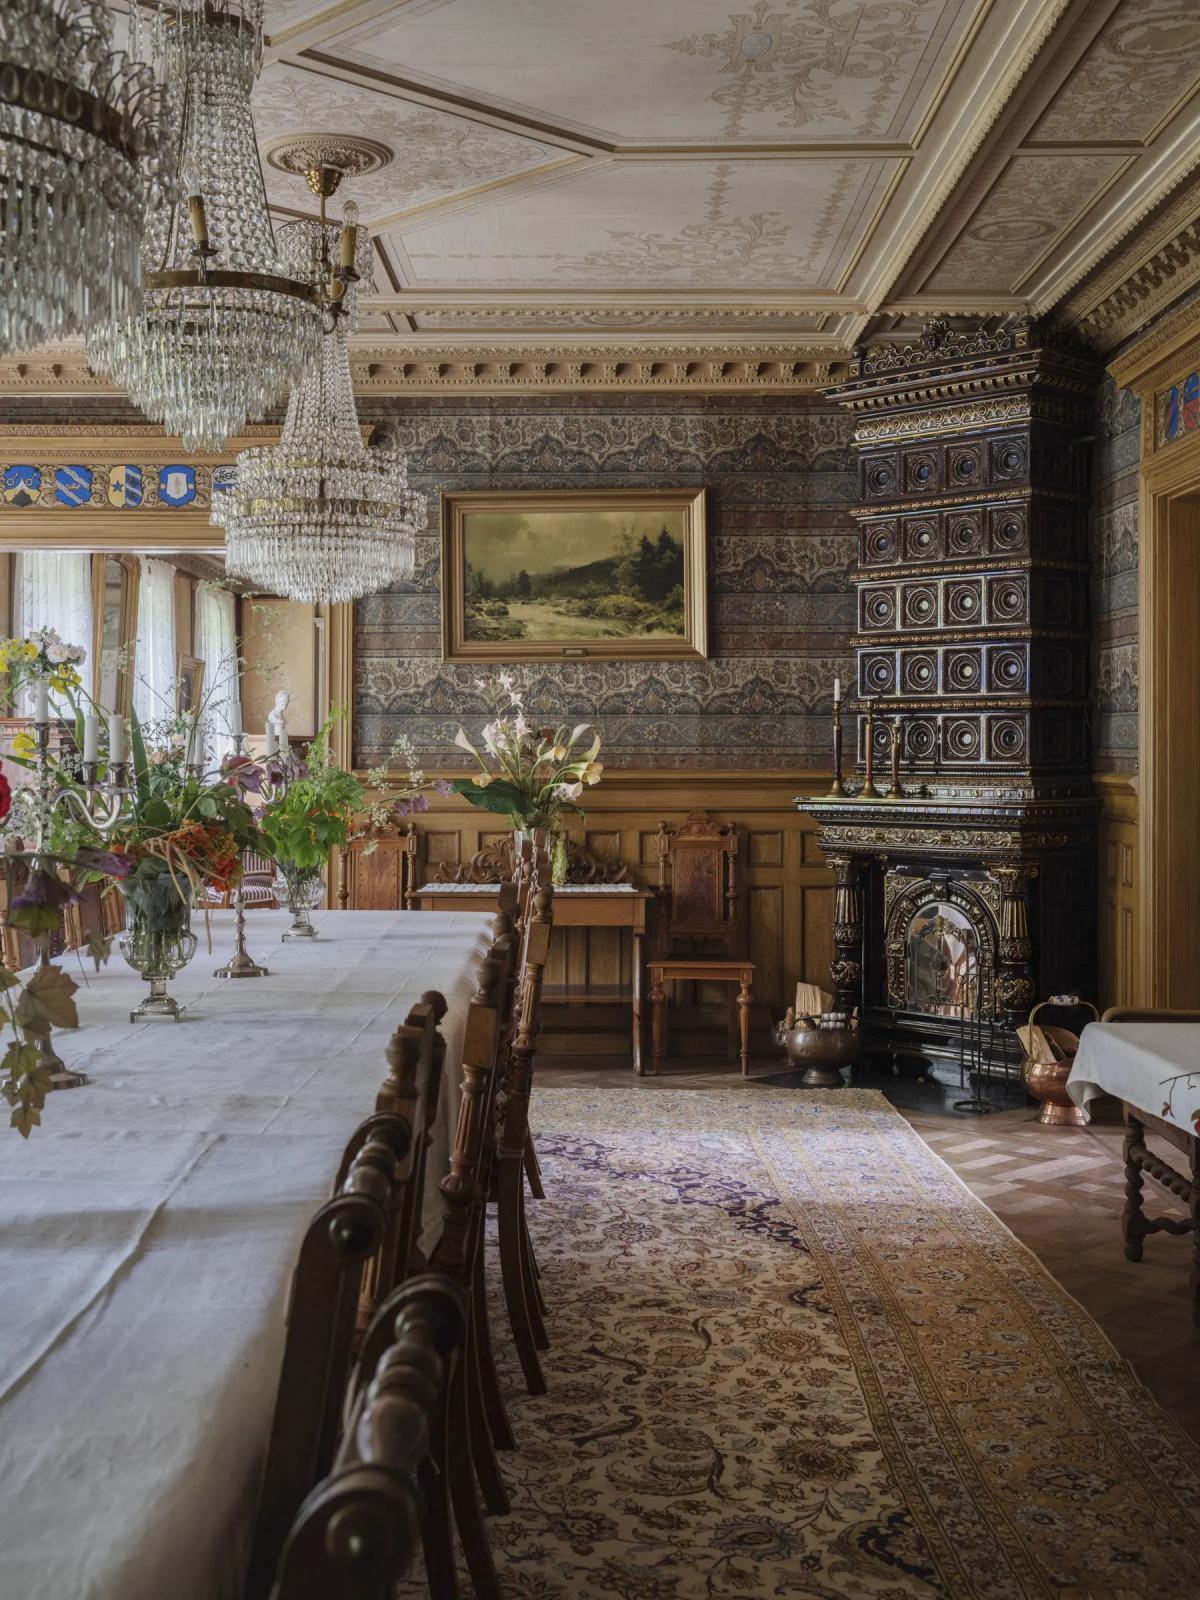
[
  {"x": 158, "y": 942},
  {"x": 300, "y": 889}
]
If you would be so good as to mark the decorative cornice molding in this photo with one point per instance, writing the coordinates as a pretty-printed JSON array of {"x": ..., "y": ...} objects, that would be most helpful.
[
  {"x": 1153, "y": 356},
  {"x": 1146, "y": 291},
  {"x": 402, "y": 368}
]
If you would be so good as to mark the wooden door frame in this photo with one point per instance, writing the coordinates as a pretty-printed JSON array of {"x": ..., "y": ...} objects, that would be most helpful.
[{"x": 1169, "y": 473}]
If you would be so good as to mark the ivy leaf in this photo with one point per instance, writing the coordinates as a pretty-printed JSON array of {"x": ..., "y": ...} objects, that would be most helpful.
[
  {"x": 47, "y": 1002},
  {"x": 7, "y": 979},
  {"x": 99, "y": 947},
  {"x": 25, "y": 1118}
]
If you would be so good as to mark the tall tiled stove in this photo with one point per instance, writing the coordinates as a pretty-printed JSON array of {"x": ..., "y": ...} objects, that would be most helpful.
[{"x": 970, "y": 893}]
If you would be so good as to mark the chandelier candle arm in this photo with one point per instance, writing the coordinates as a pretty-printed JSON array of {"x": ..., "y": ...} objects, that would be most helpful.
[{"x": 225, "y": 323}]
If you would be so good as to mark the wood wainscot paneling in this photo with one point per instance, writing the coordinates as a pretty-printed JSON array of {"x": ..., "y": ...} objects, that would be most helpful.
[
  {"x": 786, "y": 889},
  {"x": 1117, "y": 876}
]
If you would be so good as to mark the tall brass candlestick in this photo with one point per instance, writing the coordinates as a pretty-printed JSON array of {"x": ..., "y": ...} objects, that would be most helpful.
[
  {"x": 894, "y": 788},
  {"x": 837, "y": 787},
  {"x": 869, "y": 791}
]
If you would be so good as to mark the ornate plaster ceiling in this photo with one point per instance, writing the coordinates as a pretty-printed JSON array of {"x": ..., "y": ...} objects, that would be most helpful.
[
  {"x": 744, "y": 188},
  {"x": 801, "y": 171}
]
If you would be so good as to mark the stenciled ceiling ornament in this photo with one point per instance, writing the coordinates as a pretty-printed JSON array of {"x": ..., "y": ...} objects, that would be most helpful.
[
  {"x": 226, "y": 323},
  {"x": 82, "y": 148},
  {"x": 320, "y": 517}
]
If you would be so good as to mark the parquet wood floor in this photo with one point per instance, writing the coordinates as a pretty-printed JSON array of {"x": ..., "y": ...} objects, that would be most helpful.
[{"x": 1060, "y": 1190}]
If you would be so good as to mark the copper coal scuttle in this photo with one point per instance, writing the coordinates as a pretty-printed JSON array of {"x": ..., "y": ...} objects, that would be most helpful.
[{"x": 819, "y": 1041}]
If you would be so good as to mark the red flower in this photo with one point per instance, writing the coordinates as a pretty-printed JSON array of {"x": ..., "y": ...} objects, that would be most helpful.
[{"x": 5, "y": 797}]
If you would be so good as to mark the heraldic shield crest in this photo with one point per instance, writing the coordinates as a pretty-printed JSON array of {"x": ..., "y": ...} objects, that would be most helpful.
[
  {"x": 22, "y": 485},
  {"x": 177, "y": 485},
  {"x": 125, "y": 486}
]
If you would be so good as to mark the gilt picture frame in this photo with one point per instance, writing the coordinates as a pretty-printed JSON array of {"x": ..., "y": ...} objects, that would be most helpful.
[{"x": 574, "y": 574}]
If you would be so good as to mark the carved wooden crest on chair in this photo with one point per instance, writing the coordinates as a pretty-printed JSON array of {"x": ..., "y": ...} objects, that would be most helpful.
[
  {"x": 697, "y": 933},
  {"x": 495, "y": 862}
]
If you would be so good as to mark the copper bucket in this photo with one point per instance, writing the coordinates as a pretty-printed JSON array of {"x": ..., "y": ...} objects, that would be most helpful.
[{"x": 1049, "y": 1054}]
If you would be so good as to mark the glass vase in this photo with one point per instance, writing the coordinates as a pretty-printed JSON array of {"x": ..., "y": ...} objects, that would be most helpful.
[
  {"x": 299, "y": 889},
  {"x": 158, "y": 942}
]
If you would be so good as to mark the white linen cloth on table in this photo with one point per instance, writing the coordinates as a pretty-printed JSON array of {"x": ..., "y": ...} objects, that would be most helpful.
[
  {"x": 1155, "y": 1066},
  {"x": 149, "y": 1232}
]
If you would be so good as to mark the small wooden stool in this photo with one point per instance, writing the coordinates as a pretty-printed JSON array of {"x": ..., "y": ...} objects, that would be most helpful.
[{"x": 702, "y": 970}]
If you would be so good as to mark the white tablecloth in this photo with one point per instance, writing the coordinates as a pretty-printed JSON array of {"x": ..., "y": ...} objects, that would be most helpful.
[
  {"x": 1153, "y": 1065},
  {"x": 147, "y": 1236}
]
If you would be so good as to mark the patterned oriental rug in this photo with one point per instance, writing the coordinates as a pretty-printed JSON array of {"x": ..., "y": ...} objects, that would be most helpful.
[{"x": 794, "y": 1356}]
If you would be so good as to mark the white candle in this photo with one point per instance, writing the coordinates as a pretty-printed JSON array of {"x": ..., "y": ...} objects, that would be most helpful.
[
  {"x": 837, "y": 690},
  {"x": 91, "y": 737},
  {"x": 271, "y": 738},
  {"x": 235, "y": 718},
  {"x": 116, "y": 739},
  {"x": 193, "y": 731},
  {"x": 41, "y": 701}
]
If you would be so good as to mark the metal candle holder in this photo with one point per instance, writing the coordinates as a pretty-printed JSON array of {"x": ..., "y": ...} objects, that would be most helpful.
[
  {"x": 837, "y": 787},
  {"x": 868, "y": 790},
  {"x": 102, "y": 806},
  {"x": 241, "y": 963}
]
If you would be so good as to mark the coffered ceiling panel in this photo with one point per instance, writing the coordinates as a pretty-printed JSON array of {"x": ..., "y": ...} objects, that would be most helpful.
[
  {"x": 1143, "y": 62},
  {"x": 1033, "y": 205},
  {"x": 434, "y": 154},
  {"x": 686, "y": 71},
  {"x": 647, "y": 224},
  {"x": 616, "y": 319}
]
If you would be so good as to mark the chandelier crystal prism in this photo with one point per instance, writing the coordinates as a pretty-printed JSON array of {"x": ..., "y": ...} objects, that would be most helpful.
[
  {"x": 225, "y": 325},
  {"x": 321, "y": 517},
  {"x": 83, "y": 152}
]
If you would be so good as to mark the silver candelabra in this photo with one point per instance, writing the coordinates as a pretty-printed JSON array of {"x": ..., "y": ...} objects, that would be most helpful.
[
  {"x": 241, "y": 963},
  {"x": 99, "y": 804}
]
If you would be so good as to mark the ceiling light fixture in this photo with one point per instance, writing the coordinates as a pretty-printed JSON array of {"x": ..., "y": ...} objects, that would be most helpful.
[
  {"x": 225, "y": 326},
  {"x": 321, "y": 517},
  {"x": 82, "y": 150}
]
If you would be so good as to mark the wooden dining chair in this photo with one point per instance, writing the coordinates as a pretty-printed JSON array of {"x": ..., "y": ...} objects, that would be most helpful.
[
  {"x": 343, "y": 1237},
  {"x": 358, "y": 1532},
  {"x": 698, "y": 931},
  {"x": 464, "y": 1455}
]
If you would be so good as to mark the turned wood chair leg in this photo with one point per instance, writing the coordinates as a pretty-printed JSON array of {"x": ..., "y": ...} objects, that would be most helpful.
[
  {"x": 483, "y": 1449},
  {"x": 1133, "y": 1218},
  {"x": 437, "y": 1527},
  {"x": 464, "y": 1497},
  {"x": 743, "y": 1007},
  {"x": 534, "y": 1303},
  {"x": 493, "y": 1400},
  {"x": 658, "y": 1025},
  {"x": 508, "y": 1226},
  {"x": 533, "y": 1169}
]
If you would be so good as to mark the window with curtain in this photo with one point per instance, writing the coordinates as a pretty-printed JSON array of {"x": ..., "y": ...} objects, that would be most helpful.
[
  {"x": 216, "y": 646},
  {"x": 154, "y": 665},
  {"x": 53, "y": 589}
]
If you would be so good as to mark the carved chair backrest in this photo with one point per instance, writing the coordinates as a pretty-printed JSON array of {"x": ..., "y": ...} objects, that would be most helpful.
[
  {"x": 697, "y": 881},
  {"x": 416, "y": 1057},
  {"x": 358, "y": 1531},
  {"x": 465, "y": 1185},
  {"x": 346, "y": 1233}
]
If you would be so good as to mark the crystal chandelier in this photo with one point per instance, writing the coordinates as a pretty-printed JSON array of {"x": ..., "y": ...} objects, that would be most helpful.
[
  {"x": 224, "y": 325},
  {"x": 82, "y": 149},
  {"x": 320, "y": 517}
]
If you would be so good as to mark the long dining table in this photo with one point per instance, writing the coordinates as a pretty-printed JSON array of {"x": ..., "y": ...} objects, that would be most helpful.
[{"x": 148, "y": 1231}]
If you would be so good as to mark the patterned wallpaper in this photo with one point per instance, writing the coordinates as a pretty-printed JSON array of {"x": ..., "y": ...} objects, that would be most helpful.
[
  {"x": 780, "y": 549},
  {"x": 1114, "y": 557}
]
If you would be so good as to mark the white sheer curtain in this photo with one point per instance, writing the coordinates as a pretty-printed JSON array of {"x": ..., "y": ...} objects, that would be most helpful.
[
  {"x": 154, "y": 665},
  {"x": 53, "y": 590},
  {"x": 216, "y": 645}
]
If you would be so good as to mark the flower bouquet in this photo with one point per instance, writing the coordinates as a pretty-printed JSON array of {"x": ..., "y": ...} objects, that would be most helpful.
[
  {"x": 533, "y": 775},
  {"x": 310, "y": 813}
]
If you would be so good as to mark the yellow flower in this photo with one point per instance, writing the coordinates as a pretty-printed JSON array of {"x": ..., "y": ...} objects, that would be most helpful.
[
  {"x": 591, "y": 773},
  {"x": 481, "y": 780},
  {"x": 29, "y": 650},
  {"x": 23, "y": 743}
]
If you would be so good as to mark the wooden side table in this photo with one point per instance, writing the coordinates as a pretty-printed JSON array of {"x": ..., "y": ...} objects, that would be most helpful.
[{"x": 584, "y": 906}]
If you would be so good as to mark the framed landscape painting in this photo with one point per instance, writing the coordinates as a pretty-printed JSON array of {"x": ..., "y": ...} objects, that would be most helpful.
[{"x": 548, "y": 574}]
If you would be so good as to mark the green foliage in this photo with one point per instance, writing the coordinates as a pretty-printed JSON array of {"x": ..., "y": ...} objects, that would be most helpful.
[{"x": 316, "y": 813}]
